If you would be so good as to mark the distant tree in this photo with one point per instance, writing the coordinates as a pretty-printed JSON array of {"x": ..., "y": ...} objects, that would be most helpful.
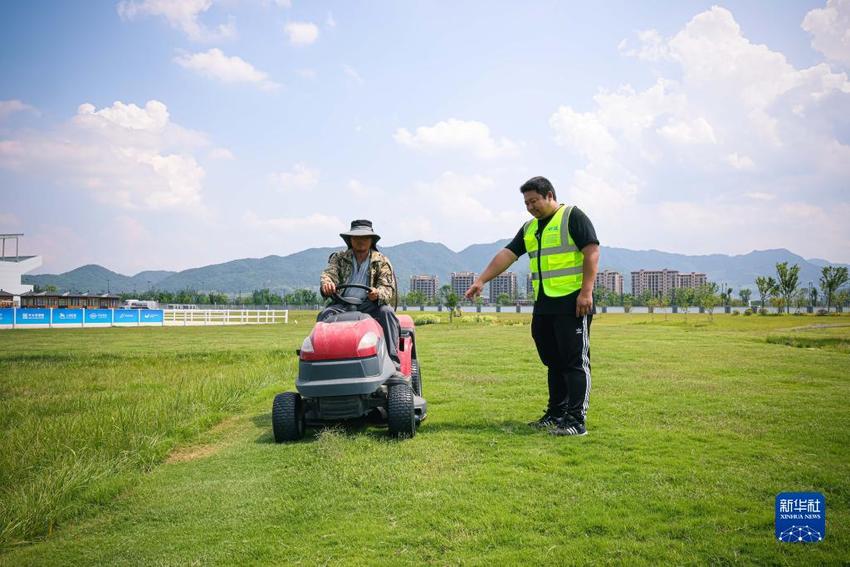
[
  {"x": 504, "y": 299},
  {"x": 265, "y": 297},
  {"x": 685, "y": 298},
  {"x": 842, "y": 297},
  {"x": 766, "y": 286},
  {"x": 50, "y": 288},
  {"x": 628, "y": 301},
  {"x": 444, "y": 292},
  {"x": 787, "y": 280},
  {"x": 664, "y": 303},
  {"x": 832, "y": 278},
  {"x": 416, "y": 298},
  {"x": 302, "y": 297},
  {"x": 652, "y": 303},
  {"x": 801, "y": 297},
  {"x": 744, "y": 294},
  {"x": 451, "y": 303},
  {"x": 707, "y": 297}
]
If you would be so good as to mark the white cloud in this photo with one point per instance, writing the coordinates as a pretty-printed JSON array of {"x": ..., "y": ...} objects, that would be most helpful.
[
  {"x": 583, "y": 132},
  {"x": 453, "y": 135},
  {"x": 830, "y": 29},
  {"x": 360, "y": 191},
  {"x": 456, "y": 196},
  {"x": 352, "y": 73},
  {"x": 760, "y": 196},
  {"x": 301, "y": 177},
  {"x": 740, "y": 162},
  {"x": 301, "y": 33},
  {"x": 307, "y": 73},
  {"x": 330, "y": 22},
  {"x": 153, "y": 117},
  {"x": 312, "y": 224},
  {"x": 125, "y": 155},
  {"x": 181, "y": 14},
  {"x": 727, "y": 118},
  {"x": 9, "y": 107},
  {"x": 215, "y": 64},
  {"x": 652, "y": 46},
  {"x": 697, "y": 131},
  {"x": 220, "y": 154}
]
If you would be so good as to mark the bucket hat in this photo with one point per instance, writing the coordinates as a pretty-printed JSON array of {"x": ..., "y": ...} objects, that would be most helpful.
[{"x": 360, "y": 227}]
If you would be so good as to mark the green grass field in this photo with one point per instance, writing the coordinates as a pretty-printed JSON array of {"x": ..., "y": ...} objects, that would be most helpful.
[{"x": 153, "y": 446}]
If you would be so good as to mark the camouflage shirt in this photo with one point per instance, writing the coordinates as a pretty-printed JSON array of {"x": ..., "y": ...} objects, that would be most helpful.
[{"x": 381, "y": 273}]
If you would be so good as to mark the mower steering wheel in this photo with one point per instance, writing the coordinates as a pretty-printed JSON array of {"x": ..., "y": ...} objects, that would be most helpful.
[{"x": 352, "y": 301}]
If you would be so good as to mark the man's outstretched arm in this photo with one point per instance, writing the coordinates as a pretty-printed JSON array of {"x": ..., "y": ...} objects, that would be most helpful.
[{"x": 500, "y": 262}]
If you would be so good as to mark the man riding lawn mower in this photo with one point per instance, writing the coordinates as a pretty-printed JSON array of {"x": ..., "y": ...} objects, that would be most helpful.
[{"x": 360, "y": 359}]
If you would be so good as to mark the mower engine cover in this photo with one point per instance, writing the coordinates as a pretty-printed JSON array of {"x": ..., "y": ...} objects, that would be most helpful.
[{"x": 343, "y": 340}]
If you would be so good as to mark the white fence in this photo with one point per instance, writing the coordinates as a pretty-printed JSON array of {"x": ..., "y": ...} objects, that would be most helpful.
[{"x": 224, "y": 316}]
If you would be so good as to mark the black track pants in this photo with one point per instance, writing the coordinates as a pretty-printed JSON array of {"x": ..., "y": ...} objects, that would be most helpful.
[{"x": 563, "y": 343}]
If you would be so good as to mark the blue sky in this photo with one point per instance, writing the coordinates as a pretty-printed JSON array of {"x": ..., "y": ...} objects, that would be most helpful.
[{"x": 153, "y": 134}]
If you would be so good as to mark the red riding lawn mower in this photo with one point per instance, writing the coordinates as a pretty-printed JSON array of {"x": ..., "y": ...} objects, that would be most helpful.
[{"x": 345, "y": 373}]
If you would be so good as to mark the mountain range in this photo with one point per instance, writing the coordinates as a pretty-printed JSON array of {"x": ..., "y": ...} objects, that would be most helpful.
[{"x": 302, "y": 269}]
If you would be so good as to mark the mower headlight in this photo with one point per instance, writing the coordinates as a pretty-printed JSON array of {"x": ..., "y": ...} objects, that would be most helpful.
[
  {"x": 367, "y": 344},
  {"x": 307, "y": 345}
]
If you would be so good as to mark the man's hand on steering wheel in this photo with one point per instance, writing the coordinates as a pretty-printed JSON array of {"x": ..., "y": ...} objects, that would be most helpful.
[
  {"x": 328, "y": 289},
  {"x": 373, "y": 294},
  {"x": 353, "y": 300}
]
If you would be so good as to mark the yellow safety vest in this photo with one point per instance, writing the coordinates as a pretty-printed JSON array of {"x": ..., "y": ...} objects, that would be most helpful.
[{"x": 554, "y": 258}]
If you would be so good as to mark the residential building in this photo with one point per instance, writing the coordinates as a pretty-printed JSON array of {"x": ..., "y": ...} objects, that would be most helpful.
[
  {"x": 692, "y": 279},
  {"x": 662, "y": 282},
  {"x": 426, "y": 284},
  {"x": 610, "y": 280},
  {"x": 461, "y": 282},
  {"x": 657, "y": 282},
  {"x": 503, "y": 283}
]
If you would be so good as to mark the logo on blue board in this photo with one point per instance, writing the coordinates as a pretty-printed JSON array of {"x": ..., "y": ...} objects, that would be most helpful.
[{"x": 800, "y": 517}]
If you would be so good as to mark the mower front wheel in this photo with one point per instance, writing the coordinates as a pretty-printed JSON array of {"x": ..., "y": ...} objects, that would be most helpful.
[
  {"x": 288, "y": 421},
  {"x": 400, "y": 412}
]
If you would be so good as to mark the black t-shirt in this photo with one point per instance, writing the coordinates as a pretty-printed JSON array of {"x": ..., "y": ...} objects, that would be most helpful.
[{"x": 583, "y": 233}]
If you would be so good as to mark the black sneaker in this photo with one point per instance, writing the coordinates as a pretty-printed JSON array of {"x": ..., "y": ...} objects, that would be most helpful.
[
  {"x": 569, "y": 425},
  {"x": 548, "y": 420}
]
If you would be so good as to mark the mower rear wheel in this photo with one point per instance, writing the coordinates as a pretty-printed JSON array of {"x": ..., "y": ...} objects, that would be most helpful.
[
  {"x": 415, "y": 377},
  {"x": 288, "y": 421},
  {"x": 400, "y": 413}
]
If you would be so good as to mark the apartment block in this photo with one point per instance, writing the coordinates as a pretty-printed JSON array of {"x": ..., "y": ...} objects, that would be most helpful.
[
  {"x": 662, "y": 282},
  {"x": 426, "y": 284},
  {"x": 610, "y": 280},
  {"x": 461, "y": 282},
  {"x": 503, "y": 283}
]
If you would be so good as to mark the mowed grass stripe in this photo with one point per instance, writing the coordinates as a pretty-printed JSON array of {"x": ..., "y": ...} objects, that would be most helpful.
[{"x": 694, "y": 428}]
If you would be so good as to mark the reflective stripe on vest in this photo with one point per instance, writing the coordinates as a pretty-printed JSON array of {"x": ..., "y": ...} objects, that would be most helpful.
[{"x": 556, "y": 259}]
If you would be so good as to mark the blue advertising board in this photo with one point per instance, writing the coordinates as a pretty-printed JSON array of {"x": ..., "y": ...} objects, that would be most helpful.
[
  {"x": 126, "y": 316},
  {"x": 98, "y": 316},
  {"x": 7, "y": 316},
  {"x": 67, "y": 317},
  {"x": 32, "y": 316},
  {"x": 151, "y": 315}
]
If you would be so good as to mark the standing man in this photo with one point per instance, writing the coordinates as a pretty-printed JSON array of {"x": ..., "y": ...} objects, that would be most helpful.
[
  {"x": 361, "y": 263},
  {"x": 563, "y": 254}
]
